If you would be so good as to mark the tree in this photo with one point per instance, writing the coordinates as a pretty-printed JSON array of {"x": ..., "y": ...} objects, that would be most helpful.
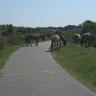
[
  {"x": 68, "y": 27},
  {"x": 10, "y": 29},
  {"x": 3, "y": 27},
  {"x": 88, "y": 26},
  {"x": 58, "y": 31}
]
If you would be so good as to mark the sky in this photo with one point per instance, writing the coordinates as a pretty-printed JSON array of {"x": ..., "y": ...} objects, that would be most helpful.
[{"x": 46, "y": 13}]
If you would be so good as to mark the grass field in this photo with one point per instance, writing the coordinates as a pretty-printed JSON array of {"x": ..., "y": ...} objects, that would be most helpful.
[{"x": 79, "y": 62}]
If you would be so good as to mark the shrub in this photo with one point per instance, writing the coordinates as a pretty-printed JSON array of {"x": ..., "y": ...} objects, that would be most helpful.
[
  {"x": 14, "y": 40},
  {"x": 2, "y": 41}
]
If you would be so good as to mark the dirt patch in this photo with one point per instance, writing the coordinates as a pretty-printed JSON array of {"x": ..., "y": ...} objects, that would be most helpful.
[
  {"x": 53, "y": 54},
  {"x": 93, "y": 49}
]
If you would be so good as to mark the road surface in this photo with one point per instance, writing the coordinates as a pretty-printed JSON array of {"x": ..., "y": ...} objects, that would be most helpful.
[{"x": 31, "y": 71}]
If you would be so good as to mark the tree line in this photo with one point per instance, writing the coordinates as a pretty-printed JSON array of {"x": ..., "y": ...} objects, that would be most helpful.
[
  {"x": 68, "y": 27},
  {"x": 13, "y": 35}
]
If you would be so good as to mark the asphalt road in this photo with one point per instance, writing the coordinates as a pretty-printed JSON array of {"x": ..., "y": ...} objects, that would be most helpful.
[{"x": 31, "y": 71}]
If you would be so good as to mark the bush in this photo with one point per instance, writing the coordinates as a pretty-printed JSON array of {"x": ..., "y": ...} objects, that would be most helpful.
[
  {"x": 2, "y": 41},
  {"x": 14, "y": 40}
]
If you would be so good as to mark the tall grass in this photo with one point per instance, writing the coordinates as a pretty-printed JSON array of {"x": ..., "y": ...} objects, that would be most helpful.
[{"x": 79, "y": 62}]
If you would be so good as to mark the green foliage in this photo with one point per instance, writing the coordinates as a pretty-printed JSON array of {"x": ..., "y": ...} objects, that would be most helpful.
[
  {"x": 10, "y": 29},
  {"x": 68, "y": 27},
  {"x": 14, "y": 40},
  {"x": 3, "y": 27},
  {"x": 2, "y": 41},
  {"x": 38, "y": 29},
  {"x": 67, "y": 31},
  {"x": 70, "y": 34},
  {"x": 58, "y": 31},
  {"x": 88, "y": 26}
]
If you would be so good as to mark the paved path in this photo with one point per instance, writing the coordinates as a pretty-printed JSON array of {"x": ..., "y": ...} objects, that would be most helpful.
[{"x": 31, "y": 71}]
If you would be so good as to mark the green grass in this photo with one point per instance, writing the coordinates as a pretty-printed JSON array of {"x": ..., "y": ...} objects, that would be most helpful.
[
  {"x": 79, "y": 62},
  {"x": 6, "y": 52}
]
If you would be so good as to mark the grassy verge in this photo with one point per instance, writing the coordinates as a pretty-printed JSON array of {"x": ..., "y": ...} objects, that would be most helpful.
[
  {"x": 79, "y": 62},
  {"x": 6, "y": 52}
]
